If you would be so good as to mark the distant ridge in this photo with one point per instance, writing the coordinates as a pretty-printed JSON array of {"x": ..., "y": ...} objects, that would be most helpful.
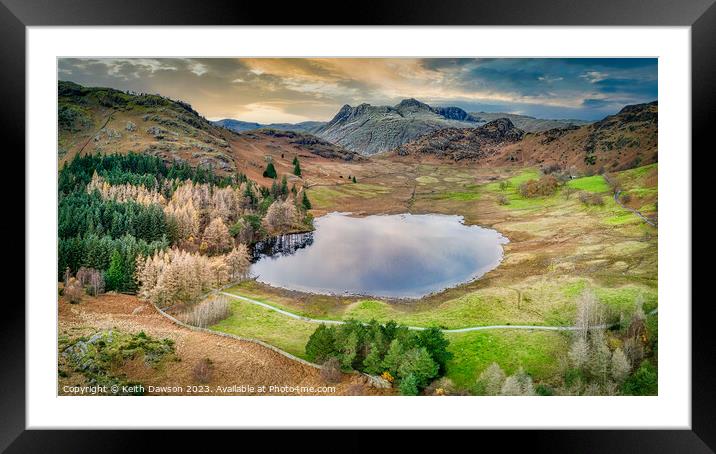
[{"x": 241, "y": 126}]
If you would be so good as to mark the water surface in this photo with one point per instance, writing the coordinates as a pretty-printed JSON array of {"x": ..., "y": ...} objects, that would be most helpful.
[{"x": 395, "y": 256}]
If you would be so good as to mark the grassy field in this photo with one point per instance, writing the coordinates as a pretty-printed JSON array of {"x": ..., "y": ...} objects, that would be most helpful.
[
  {"x": 558, "y": 248},
  {"x": 472, "y": 352},
  {"x": 535, "y": 351},
  {"x": 248, "y": 320}
]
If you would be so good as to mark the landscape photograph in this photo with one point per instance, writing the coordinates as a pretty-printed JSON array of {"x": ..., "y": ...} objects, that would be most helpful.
[{"x": 357, "y": 226}]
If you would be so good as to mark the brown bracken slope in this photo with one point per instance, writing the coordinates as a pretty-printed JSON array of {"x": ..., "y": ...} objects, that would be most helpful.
[
  {"x": 235, "y": 362},
  {"x": 104, "y": 120}
]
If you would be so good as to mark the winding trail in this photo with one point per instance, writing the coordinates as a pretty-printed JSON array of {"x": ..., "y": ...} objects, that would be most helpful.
[
  {"x": 418, "y": 328},
  {"x": 617, "y": 193},
  {"x": 637, "y": 212}
]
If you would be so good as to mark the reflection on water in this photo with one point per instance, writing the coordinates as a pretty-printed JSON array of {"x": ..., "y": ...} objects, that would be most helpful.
[
  {"x": 398, "y": 256},
  {"x": 281, "y": 245}
]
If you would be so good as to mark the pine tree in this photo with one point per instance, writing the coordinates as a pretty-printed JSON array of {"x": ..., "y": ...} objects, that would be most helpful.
[
  {"x": 392, "y": 359},
  {"x": 115, "y": 277},
  {"x": 354, "y": 179},
  {"x": 409, "y": 386},
  {"x": 270, "y": 171},
  {"x": 284, "y": 186},
  {"x": 296, "y": 167},
  {"x": 373, "y": 363},
  {"x": 305, "y": 202}
]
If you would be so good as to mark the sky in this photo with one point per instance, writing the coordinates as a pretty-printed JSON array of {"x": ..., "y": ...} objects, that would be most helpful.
[{"x": 269, "y": 90}]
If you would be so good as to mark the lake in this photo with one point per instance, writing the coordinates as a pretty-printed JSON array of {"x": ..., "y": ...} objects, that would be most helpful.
[{"x": 393, "y": 256}]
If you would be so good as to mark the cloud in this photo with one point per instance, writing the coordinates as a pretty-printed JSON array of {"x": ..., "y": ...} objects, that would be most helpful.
[{"x": 297, "y": 89}]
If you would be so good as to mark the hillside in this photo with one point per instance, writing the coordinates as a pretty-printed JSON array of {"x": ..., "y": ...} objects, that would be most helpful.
[
  {"x": 104, "y": 120},
  {"x": 466, "y": 143},
  {"x": 527, "y": 123},
  {"x": 233, "y": 361},
  {"x": 241, "y": 126},
  {"x": 621, "y": 141},
  {"x": 369, "y": 129}
]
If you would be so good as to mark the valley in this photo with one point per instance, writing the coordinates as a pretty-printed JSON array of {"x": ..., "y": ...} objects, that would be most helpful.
[{"x": 572, "y": 200}]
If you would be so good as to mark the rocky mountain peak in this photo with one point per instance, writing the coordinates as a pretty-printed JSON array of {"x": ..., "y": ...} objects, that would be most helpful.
[{"x": 412, "y": 104}]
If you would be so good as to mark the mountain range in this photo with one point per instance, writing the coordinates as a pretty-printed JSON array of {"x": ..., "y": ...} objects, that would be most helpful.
[
  {"x": 105, "y": 120},
  {"x": 369, "y": 129}
]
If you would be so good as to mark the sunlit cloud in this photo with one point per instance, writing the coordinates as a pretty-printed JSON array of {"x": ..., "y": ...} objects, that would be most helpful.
[{"x": 295, "y": 89}]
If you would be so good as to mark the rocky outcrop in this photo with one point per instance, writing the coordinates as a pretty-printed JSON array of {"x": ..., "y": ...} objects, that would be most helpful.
[{"x": 464, "y": 143}]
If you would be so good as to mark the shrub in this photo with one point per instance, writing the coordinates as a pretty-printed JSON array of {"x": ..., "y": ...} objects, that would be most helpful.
[
  {"x": 544, "y": 390},
  {"x": 440, "y": 387},
  {"x": 203, "y": 370},
  {"x": 331, "y": 370},
  {"x": 74, "y": 291},
  {"x": 545, "y": 186},
  {"x": 208, "y": 312},
  {"x": 590, "y": 199},
  {"x": 355, "y": 389},
  {"x": 409, "y": 386},
  {"x": 503, "y": 200},
  {"x": 644, "y": 382},
  {"x": 519, "y": 384},
  {"x": 626, "y": 198},
  {"x": 490, "y": 381}
]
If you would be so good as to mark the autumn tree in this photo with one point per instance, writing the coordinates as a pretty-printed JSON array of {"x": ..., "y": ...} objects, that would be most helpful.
[
  {"x": 73, "y": 291},
  {"x": 281, "y": 216},
  {"x": 217, "y": 236},
  {"x": 238, "y": 262}
]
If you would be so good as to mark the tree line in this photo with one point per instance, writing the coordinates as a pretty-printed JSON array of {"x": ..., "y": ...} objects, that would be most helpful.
[
  {"x": 113, "y": 209},
  {"x": 410, "y": 359}
]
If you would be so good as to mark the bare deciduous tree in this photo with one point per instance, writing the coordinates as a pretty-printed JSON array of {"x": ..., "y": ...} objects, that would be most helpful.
[
  {"x": 519, "y": 384},
  {"x": 492, "y": 379},
  {"x": 579, "y": 352},
  {"x": 620, "y": 366},
  {"x": 91, "y": 279},
  {"x": 590, "y": 313}
]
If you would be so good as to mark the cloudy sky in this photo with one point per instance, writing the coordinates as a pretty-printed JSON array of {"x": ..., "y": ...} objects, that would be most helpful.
[{"x": 293, "y": 90}]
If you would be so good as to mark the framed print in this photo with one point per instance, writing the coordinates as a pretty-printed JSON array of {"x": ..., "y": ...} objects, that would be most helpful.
[{"x": 382, "y": 222}]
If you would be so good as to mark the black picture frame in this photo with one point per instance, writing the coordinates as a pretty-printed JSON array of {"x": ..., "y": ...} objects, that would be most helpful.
[{"x": 700, "y": 15}]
